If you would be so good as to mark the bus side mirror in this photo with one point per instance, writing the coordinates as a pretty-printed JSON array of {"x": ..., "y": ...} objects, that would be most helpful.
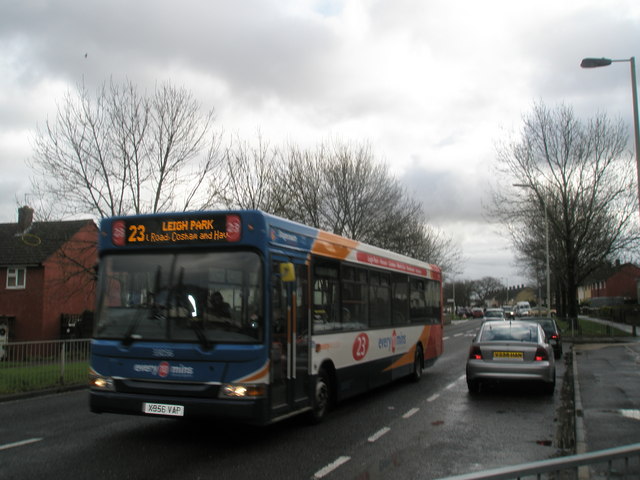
[{"x": 287, "y": 272}]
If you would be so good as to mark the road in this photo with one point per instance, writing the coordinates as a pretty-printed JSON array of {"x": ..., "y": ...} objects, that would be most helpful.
[{"x": 425, "y": 430}]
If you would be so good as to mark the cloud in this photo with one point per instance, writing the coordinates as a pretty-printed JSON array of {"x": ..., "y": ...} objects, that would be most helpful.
[{"x": 431, "y": 85}]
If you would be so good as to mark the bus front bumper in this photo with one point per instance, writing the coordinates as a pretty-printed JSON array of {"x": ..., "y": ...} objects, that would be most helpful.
[{"x": 252, "y": 411}]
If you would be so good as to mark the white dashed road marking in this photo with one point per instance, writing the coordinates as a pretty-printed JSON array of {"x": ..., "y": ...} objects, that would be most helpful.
[
  {"x": 378, "y": 434},
  {"x": 410, "y": 413},
  {"x": 323, "y": 472},
  {"x": 19, "y": 444}
]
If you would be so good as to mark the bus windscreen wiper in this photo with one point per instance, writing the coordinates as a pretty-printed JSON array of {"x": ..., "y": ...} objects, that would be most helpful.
[
  {"x": 130, "y": 335},
  {"x": 196, "y": 326}
]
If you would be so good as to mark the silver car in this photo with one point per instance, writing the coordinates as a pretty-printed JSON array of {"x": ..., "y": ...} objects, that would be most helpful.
[
  {"x": 494, "y": 314},
  {"x": 512, "y": 351}
]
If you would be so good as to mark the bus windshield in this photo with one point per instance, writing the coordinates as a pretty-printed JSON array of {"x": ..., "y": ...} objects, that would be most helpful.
[{"x": 207, "y": 297}]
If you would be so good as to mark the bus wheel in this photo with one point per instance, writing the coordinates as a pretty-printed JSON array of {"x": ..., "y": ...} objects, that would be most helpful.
[
  {"x": 418, "y": 361},
  {"x": 321, "y": 396}
]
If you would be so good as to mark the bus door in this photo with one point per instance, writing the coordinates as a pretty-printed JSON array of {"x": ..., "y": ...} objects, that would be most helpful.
[{"x": 289, "y": 336}]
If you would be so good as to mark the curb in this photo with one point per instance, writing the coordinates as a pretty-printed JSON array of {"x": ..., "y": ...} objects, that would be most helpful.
[
  {"x": 40, "y": 393},
  {"x": 581, "y": 441}
]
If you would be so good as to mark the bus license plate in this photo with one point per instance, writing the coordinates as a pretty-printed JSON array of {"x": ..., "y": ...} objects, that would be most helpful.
[{"x": 163, "y": 409}]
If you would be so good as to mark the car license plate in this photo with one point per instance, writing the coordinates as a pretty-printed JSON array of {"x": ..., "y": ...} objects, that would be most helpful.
[
  {"x": 163, "y": 409},
  {"x": 508, "y": 356}
]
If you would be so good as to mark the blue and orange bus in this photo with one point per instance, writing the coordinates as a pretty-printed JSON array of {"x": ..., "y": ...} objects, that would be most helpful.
[{"x": 247, "y": 316}]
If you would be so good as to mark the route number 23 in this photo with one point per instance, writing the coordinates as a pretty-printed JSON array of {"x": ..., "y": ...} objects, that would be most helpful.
[{"x": 360, "y": 346}]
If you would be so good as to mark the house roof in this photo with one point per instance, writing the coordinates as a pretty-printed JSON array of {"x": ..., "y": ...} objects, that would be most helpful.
[
  {"x": 38, "y": 243},
  {"x": 606, "y": 271}
]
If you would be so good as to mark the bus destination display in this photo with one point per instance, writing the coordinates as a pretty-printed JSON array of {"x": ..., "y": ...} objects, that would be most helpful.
[{"x": 176, "y": 230}]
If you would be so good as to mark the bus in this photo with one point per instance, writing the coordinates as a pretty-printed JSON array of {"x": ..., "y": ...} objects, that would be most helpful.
[{"x": 250, "y": 317}]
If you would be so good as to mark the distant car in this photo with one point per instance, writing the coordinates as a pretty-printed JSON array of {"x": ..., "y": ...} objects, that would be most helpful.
[
  {"x": 477, "y": 312},
  {"x": 553, "y": 333},
  {"x": 511, "y": 351},
  {"x": 523, "y": 309},
  {"x": 494, "y": 314},
  {"x": 509, "y": 311}
]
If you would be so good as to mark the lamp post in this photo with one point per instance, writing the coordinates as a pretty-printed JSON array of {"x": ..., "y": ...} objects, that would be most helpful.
[
  {"x": 506, "y": 279},
  {"x": 546, "y": 236},
  {"x": 604, "y": 62}
]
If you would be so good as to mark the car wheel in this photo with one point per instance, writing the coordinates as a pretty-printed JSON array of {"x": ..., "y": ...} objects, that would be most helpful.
[
  {"x": 321, "y": 396},
  {"x": 418, "y": 362},
  {"x": 473, "y": 386},
  {"x": 551, "y": 386}
]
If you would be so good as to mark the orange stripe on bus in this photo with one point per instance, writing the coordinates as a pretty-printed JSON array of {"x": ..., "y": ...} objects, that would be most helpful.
[
  {"x": 331, "y": 245},
  {"x": 408, "y": 357},
  {"x": 261, "y": 374}
]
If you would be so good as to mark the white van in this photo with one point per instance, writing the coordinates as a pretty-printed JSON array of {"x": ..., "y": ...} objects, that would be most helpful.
[{"x": 523, "y": 309}]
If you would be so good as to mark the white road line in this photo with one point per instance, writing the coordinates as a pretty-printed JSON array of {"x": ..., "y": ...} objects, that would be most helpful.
[
  {"x": 445, "y": 338},
  {"x": 458, "y": 334},
  {"x": 19, "y": 444},
  {"x": 323, "y": 472},
  {"x": 453, "y": 384},
  {"x": 629, "y": 413},
  {"x": 378, "y": 434},
  {"x": 410, "y": 413},
  {"x": 433, "y": 397}
]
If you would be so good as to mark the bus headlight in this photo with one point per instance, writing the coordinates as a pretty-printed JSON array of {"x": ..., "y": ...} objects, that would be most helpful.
[
  {"x": 100, "y": 382},
  {"x": 232, "y": 390}
]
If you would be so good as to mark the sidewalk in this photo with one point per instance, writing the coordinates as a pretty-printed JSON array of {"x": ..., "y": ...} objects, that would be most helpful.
[{"x": 607, "y": 394}]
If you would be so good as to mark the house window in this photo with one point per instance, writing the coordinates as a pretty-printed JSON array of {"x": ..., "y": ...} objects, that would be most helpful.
[{"x": 16, "y": 277}]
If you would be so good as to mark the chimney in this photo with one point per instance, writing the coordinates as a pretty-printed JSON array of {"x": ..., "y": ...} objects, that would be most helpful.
[{"x": 25, "y": 217}]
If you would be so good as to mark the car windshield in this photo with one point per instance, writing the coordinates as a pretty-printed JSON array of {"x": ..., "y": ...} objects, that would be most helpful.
[
  {"x": 493, "y": 314},
  {"x": 204, "y": 297},
  {"x": 509, "y": 332}
]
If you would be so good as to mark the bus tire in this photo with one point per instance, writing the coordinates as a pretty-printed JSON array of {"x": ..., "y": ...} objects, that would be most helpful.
[
  {"x": 418, "y": 363},
  {"x": 321, "y": 400}
]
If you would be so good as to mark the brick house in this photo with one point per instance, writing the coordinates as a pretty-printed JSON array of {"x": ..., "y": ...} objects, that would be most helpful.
[
  {"x": 617, "y": 281},
  {"x": 46, "y": 274}
]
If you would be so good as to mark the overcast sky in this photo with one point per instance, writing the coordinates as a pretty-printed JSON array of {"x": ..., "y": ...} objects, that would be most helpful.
[{"x": 432, "y": 85}]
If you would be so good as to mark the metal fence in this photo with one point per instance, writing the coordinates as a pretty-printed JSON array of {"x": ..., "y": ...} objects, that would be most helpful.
[
  {"x": 613, "y": 463},
  {"x": 36, "y": 366}
]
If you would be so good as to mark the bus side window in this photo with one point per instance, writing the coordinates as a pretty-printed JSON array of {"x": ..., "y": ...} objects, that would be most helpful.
[
  {"x": 433, "y": 302},
  {"x": 418, "y": 308},
  {"x": 379, "y": 299},
  {"x": 355, "y": 298},
  {"x": 400, "y": 299},
  {"x": 326, "y": 315}
]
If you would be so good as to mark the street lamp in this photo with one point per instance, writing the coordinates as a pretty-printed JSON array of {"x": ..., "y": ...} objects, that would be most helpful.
[
  {"x": 506, "y": 279},
  {"x": 604, "y": 62},
  {"x": 546, "y": 235}
]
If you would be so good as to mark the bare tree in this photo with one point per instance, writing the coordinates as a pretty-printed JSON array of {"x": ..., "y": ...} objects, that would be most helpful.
[
  {"x": 249, "y": 177},
  {"x": 121, "y": 152},
  {"x": 486, "y": 288},
  {"x": 580, "y": 177},
  {"x": 462, "y": 291},
  {"x": 300, "y": 185},
  {"x": 340, "y": 187}
]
